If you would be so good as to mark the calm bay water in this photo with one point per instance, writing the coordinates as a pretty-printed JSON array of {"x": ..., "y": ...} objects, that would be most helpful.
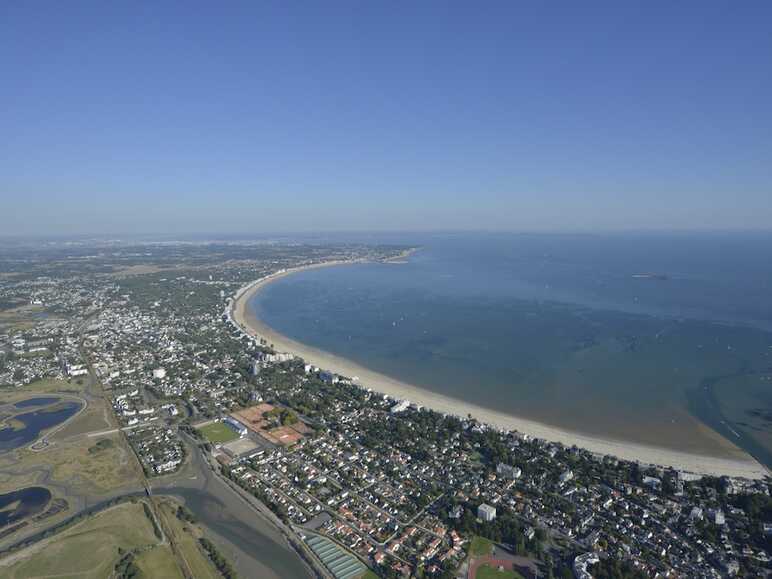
[{"x": 644, "y": 338}]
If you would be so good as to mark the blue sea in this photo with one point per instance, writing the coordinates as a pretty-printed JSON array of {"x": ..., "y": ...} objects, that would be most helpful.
[{"x": 660, "y": 339}]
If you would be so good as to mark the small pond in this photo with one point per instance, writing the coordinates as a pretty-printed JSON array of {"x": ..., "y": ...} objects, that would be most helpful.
[
  {"x": 33, "y": 423},
  {"x": 23, "y": 503},
  {"x": 39, "y": 401}
]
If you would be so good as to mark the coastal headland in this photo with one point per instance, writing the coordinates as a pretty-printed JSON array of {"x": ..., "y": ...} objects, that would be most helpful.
[{"x": 740, "y": 464}]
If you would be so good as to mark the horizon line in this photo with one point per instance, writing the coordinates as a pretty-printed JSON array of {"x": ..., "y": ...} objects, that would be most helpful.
[{"x": 267, "y": 235}]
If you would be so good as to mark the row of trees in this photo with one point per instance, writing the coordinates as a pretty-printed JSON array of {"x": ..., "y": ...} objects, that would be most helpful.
[
  {"x": 220, "y": 562},
  {"x": 149, "y": 514}
]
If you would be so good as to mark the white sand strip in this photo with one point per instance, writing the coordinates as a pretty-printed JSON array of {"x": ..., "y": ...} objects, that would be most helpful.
[{"x": 693, "y": 463}]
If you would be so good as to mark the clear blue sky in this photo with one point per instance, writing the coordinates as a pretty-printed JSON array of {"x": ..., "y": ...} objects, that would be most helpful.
[{"x": 296, "y": 116}]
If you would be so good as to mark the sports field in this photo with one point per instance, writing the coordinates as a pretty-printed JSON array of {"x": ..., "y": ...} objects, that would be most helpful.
[
  {"x": 480, "y": 546},
  {"x": 488, "y": 572},
  {"x": 218, "y": 432}
]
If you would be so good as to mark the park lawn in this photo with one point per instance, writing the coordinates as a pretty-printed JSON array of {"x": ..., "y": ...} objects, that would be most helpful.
[
  {"x": 159, "y": 562},
  {"x": 88, "y": 549},
  {"x": 369, "y": 575},
  {"x": 488, "y": 572},
  {"x": 218, "y": 433},
  {"x": 480, "y": 546}
]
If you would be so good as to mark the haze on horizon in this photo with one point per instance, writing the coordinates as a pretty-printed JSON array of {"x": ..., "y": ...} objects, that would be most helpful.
[{"x": 269, "y": 117}]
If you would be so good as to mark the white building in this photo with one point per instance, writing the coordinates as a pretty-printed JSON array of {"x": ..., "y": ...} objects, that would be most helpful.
[
  {"x": 167, "y": 466},
  {"x": 77, "y": 370},
  {"x": 279, "y": 357},
  {"x": 236, "y": 425},
  {"x": 486, "y": 512},
  {"x": 159, "y": 373},
  {"x": 400, "y": 406}
]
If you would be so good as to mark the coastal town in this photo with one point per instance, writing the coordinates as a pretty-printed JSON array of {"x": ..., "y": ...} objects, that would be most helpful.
[{"x": 358, "y": 482}]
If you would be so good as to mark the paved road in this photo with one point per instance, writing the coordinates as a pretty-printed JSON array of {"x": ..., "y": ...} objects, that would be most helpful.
[{"x": 114, "y": 430}]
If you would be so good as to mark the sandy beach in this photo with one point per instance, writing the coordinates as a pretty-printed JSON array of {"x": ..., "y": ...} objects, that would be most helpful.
[{"x": 742, "y": 466}]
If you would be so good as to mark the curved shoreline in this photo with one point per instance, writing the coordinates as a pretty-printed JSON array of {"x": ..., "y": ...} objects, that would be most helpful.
[{"x": 240, "y": 315}]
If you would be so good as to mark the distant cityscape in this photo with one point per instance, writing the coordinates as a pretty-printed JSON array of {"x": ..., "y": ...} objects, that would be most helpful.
[{"x": 358, "y": 483}]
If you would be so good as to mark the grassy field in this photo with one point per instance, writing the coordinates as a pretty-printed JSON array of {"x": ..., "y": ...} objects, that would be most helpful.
[
  {"x": 47, "y": 386},
  {"x": 218, "y": 432},
  {"x": 11, "y": 481},
  {"x": 480, "y": 546},
  {"x": 95, "y": 472},
  {"x": 488, "y": 572},
  {"x": 92, "y": 419},
  {"x": 185, "y": 536},
  {"x": 89, "y": 549},
  {"x": 158, "y": 562}
]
